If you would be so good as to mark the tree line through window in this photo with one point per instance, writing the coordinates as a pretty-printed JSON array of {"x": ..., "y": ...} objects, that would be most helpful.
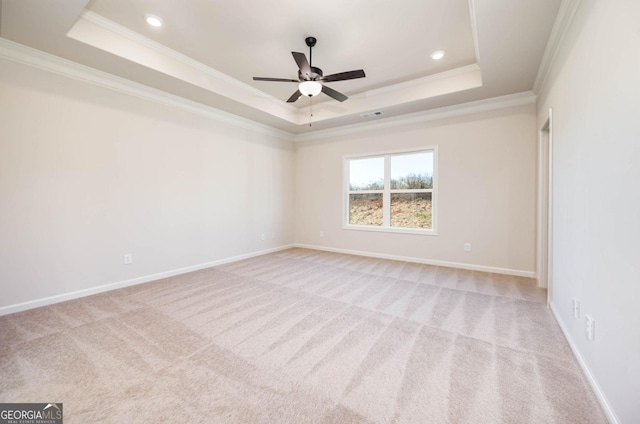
[{"x": 392, "y": 190}]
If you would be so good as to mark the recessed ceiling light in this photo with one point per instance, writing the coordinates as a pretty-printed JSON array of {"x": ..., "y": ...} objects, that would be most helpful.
[
  {"x": 437, "y": 55},
  {"x": 154, "y": 21}
]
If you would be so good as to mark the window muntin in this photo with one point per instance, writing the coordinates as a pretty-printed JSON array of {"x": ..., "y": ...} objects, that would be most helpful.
[{"x": 392, "y": 192}]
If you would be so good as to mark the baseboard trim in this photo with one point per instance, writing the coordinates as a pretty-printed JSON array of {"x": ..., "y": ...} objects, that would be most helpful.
[
  {"x": 10, "y": 309},
  {"x": 470, "y": 267},
  {"x": 606, "y": 406}
]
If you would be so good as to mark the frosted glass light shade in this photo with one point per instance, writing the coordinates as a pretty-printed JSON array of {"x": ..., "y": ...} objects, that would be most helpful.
[{"x": 310, "y": 88}]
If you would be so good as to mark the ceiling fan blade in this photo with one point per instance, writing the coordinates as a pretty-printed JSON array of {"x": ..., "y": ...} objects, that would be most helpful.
[
  {"x": 333, "y": 93},
  {"x": 303, "y": 64},
  {"x": 344, "y": 76},
  {"x": 274, "y": 79},
  {"x": 295, "y": 96}
]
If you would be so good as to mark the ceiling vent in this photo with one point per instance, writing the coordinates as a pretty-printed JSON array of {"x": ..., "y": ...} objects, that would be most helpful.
[{"x": 371, "y": 114}]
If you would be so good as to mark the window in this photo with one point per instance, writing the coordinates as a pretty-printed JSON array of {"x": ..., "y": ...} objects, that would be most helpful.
[{"x": 391, "y": 192}]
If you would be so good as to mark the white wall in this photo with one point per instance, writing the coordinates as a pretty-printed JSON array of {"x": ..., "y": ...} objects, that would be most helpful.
[
  {"x": 88, "y": 174},
  {"x": 594, "y": 90},
  {"x": 486, "y": 190}
]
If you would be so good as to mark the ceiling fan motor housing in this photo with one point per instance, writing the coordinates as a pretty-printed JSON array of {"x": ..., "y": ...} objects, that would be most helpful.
[{"x": 316, "y": 73}]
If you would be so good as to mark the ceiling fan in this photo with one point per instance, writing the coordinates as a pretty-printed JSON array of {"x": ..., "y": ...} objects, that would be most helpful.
[{"x": 310, "y": 78}]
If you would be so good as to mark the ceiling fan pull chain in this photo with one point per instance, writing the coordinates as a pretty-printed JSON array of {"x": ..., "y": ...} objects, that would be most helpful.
[{"x": 310, "y": 109}]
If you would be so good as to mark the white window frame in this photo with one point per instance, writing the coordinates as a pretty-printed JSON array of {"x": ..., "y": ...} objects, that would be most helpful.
[{"x": 386, "y": 193}]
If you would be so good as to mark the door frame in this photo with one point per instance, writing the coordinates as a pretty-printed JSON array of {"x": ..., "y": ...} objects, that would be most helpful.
[{"x": 544, "y": 254}]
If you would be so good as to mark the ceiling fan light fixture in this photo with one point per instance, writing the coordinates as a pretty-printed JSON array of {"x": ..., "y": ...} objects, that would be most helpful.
[{"x": 310, "y": 88}]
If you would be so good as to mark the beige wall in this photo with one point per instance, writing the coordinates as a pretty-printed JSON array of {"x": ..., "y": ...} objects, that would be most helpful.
[
  {"x": 486, "y": 190},
  {"x": 88, "y": 174},
  {"x": 594, "y": 91}
]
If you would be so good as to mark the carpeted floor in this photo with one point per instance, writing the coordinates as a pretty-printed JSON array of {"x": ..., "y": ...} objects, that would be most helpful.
[{"x": 301, "y": 336}]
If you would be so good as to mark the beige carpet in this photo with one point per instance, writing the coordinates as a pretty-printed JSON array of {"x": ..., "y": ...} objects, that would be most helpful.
[{"x": 301, "y": 336}]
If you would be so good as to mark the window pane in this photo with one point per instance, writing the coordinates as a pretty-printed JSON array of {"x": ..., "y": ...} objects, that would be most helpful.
[
  {"x": 412, "y": 171},
  {"x": 365, "y": 209},
  {"x": 366, "y": 174},
  {"x": 410, "y": 210}
]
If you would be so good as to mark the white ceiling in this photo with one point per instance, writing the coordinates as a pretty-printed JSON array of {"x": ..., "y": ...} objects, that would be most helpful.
[{"x": 209, "y": 50}]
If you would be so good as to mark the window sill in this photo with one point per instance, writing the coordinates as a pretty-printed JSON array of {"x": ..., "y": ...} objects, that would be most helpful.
[{"x": 398, "y": 230}]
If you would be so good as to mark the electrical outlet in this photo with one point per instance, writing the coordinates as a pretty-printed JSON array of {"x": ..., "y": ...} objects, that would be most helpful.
[
  {"x": 128, "y": 258},
  {"x": 576, "y": 308},
  {"x": 321, "y": 234},
  {"x": 590, "y": 328},
  {"x": 467, "y": 247}
]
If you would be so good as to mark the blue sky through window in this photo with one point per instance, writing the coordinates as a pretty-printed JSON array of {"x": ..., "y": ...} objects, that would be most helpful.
[{"x": 363, "y": 172}]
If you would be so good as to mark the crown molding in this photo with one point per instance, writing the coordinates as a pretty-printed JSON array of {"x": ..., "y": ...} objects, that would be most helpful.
[
  {"x": 35, "y": 58},
  {"x": 474, "y": 29},
  {"x": 561, "y": 26},
  {"x": 102, "y": 33},
  {"x": 25, "y": 55},
  {"x": 106, "y": 35},
  {"x": 165, "y": 51},
  {"x": 501, "y": 102},
  {"x": 424, "y": 80}
]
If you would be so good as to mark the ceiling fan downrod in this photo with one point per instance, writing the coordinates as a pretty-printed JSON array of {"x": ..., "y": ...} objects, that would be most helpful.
[{"x": 311, "y": 41}]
